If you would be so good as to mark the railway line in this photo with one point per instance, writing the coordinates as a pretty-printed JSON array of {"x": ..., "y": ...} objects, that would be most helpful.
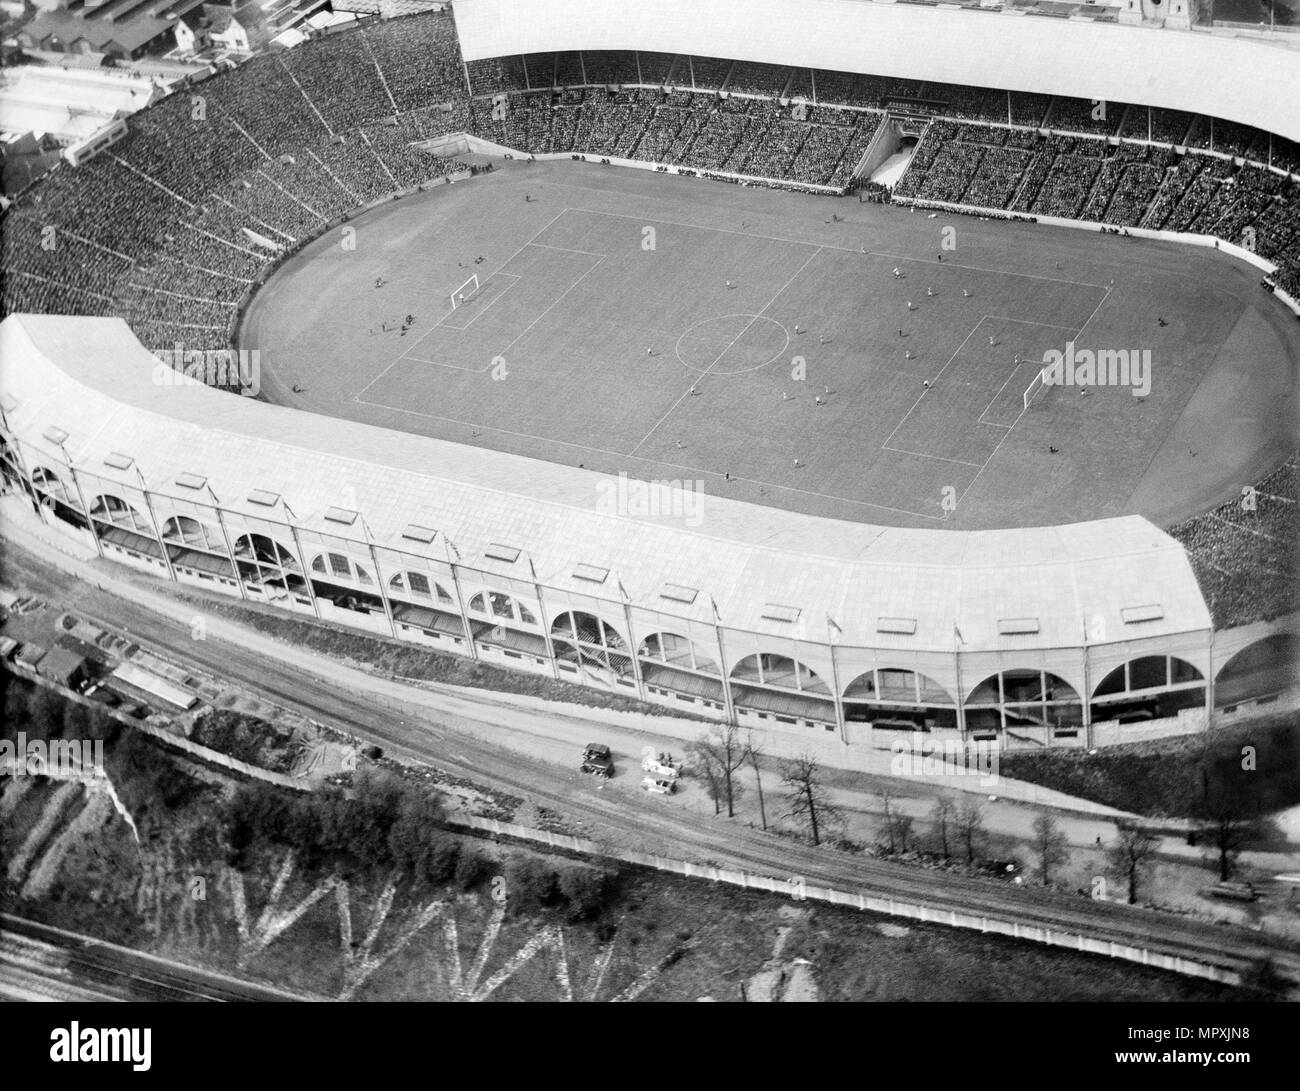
[{"x": 445, "y": 740}]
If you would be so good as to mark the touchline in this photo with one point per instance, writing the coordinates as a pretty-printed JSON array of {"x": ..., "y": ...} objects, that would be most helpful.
[
  {"x": 1105, "y": 367},
  {"x": 78, "y": 1043}
]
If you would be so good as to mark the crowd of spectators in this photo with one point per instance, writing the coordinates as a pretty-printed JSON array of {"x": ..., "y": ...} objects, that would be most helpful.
[
  {"x": 613, "y": 67},
  {"x": 1033, "y": 111},
  {"x": 1163, "y": 126},
  {"x": 569, "y": 70},
  {"x": 157, "y": 228},
  {"x": 172, "y": 226},
  {"x": 420, "y": 60},
  {"x": 1228, "y": 137},
  {"x": 1029, "y": 110},
  {"x": 767, "y": 80},
  {"x": 1075, "y": 115},
  {"x": 707, "y": 73},
  {"x": 1123, "y": 185},
  {"x": 1243, "y": 552},
  {"x": 705, "y": 132}
]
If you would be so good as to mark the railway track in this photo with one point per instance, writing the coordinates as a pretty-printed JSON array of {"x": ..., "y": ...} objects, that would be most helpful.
[
  {"x": 39, "y": 962},
  {"x": 438, "y": 740}
]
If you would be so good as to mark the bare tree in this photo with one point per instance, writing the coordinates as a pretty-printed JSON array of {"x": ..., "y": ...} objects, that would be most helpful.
[
  {"x": 1227, "y": 817},
  {"x": 1049, "y": 846},
  {"x": 712, "y": 782},
  {"x": 969, "y": 827},
  {"x": 898, "y": 826},
  {"x": 887, "y": 830},
  {"x": 807, "y": 796},
  {"x": 1132, "y": 856},
  {"x": 943, "y": 816},
  {"x": 725, "y": 750},
  {"x": 755, "y": 752}
]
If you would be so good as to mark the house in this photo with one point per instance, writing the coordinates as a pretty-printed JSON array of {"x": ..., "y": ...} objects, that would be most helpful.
[
  {"x": 193, "y": 31},
  {"x": 30, "y": 656},
  {"x": 235, "y": 30},
  {"x": 92, "y": 32},
  {"x": 63, "y": 667}
]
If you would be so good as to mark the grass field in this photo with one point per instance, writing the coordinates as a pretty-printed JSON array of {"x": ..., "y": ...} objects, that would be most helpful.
[{"x": 761, "y": 343}]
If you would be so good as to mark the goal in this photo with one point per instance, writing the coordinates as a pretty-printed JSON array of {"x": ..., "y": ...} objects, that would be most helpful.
[
  {"x": 1035, "y": 386},
  {"x": 465, "y": 292}
]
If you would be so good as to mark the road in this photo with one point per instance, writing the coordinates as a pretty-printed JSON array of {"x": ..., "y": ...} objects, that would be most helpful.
[{"x": 454, "y": 739}]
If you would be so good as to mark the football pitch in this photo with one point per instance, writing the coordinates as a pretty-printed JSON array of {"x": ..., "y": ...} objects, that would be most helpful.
[{"x": 811, "y": 353}]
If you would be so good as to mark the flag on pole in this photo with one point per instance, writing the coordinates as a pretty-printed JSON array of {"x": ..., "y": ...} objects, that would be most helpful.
[
  {"x": 532, "y": 568},
  {"x": 956, "y": 632},
  {"x": 832, "y": 623},
  {"x": 716, "y": 616},
  {"x": 623, "y": 591}
]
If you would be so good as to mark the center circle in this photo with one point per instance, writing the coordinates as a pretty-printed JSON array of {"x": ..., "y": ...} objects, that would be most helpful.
[{"x": 732, "y": 343}]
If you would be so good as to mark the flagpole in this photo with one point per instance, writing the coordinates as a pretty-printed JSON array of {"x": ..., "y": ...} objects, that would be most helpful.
[
  {"x": 961, "y": 701},
  {"x": 631, "y": 641},
  {"x": 1086, "y": 706},
  {"x": 448, "y": 545},
  {"x": 230, "y": 550},
  {"x": 546, "y": 625},
  {"x": 153, "y": 519},
  {"x": 302, "y": 559},
  {"x": 728, "y": 702},
  {"x": 835, "y": 681},
  {"x": 379, "y": 579}
]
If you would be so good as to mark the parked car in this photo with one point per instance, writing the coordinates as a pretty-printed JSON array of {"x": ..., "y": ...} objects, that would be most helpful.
[
  {"x": 660, "y": 785},
  {"x": 1235, "y": 892},
  {"x": 597, "y": 760},
  {"x": 660, "y": 765}
]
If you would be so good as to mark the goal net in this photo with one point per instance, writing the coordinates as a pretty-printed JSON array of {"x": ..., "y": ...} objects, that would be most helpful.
[
  {"x": 465, "y": 292},
  {"x": 1034, "y": 387}
]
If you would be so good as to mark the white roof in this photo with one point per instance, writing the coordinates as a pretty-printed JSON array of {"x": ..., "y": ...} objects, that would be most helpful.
[
  {"x": 68, "y": 103},
  {"x": 91, "y": 378},
  {"x": 1249, "y": 80},
  {"x": 155, "y": 685}
]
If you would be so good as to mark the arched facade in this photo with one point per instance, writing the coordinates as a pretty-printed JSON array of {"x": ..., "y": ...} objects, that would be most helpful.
[
  {"x": 899, "y": 699},
  {"x": 1023, "y": 699},
  {"x": 930, "y": 657},
  {"x": 189, "y": 531},
  {"x": 1147, "y": 688},
  {"x": 1269, "y": 666}
]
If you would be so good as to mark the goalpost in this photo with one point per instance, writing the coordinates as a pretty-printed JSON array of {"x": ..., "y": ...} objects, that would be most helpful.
[
  {"x": 1034, "y": 387},
  {"x": 465, "y": 292}
]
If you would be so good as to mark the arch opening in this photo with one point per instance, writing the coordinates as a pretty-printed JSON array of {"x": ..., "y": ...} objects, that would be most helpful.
[{"x": 898, "y": 699}]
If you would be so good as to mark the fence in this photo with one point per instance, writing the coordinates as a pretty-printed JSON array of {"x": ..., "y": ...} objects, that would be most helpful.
[
  {"x": 893, "y": 907},
  {"x": 889, "y": 906},
  {"x": 178, "y": 742}
]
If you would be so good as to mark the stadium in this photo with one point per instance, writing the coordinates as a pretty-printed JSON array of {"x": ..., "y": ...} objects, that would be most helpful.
[{"x": 574, "y": 352}]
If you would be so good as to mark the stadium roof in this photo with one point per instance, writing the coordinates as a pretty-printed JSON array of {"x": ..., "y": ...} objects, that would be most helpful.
[
  {"x": 1247, "y": 80},
  {"x": 770, "y": 571}
]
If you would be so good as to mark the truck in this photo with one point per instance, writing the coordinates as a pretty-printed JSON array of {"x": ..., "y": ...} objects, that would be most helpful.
[
  {"x": 659, "y": 784},
  {"x": 597, "y": 760}
]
